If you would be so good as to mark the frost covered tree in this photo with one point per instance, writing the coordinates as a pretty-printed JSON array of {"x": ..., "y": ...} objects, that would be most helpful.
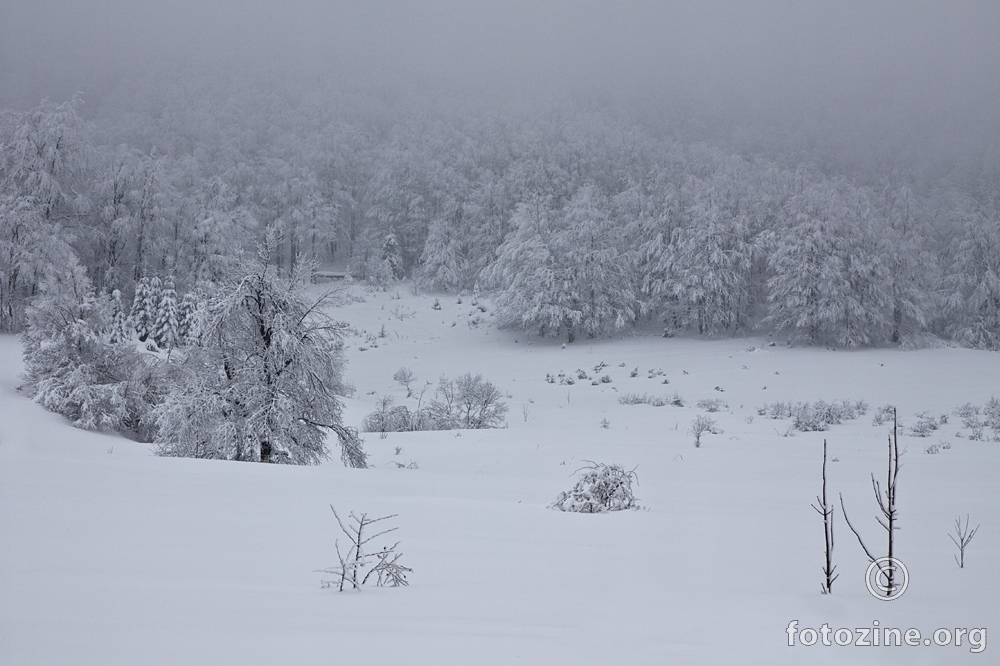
[
  {"x": 186, "y": 318},
  {"x": 31, "y": 250},
  {"x": 705, "y": 276},
  {"x": 829, "y": 283},
  {"x": 71, "y": 368},
  {"x": 141, "y": 316},
  {"x": 262, "y": 384},
  {"x": 564, "y": 271},
  {"x": 164, "y": 332},
  {"x": 119, "y": 329},
  {"x": 974, "y": 283},
  {"x": 44, "y": 157}
]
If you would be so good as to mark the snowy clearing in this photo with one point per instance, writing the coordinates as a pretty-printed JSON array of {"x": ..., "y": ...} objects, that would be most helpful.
[{"x": 110, "y": 555}]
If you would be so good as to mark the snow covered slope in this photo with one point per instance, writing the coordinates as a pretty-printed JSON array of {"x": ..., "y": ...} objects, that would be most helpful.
[{"x": 110, "y": 555}]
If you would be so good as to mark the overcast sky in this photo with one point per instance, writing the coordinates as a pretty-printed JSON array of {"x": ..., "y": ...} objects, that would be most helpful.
[{"x": 932, "y": 58}]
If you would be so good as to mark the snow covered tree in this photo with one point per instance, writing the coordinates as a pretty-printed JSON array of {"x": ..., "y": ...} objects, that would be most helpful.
[
  {"x": 72, "y": 370},
  {"x": 164, "y": 332},
  {"x": 262, "y": 384},
  {"x": 31, "y": 249},
  {"x": 187, "y": 312},
  {"x": 829, "y": 283},
  {"x": 141, "y": 316},
  {"x": 705, "y": 276},
  {"x": 44, "y": 156},
  {"x": 119, "y": 332},
  {"x": 974, "y": 283},
  {"x": 563, "y": 271}
]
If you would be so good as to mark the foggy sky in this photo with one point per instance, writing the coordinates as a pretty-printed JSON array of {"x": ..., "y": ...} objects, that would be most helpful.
[{"x": 913, "y": 58}]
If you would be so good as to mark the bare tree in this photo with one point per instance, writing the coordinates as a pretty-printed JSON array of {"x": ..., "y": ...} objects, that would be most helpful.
[
  {"x": 964, "y": 537},
  {"x": 383, "y": 564},
  {"x": 887, "y": 506},
  {"x": 825, "y": 510},
  {"x": 405, "y": 377}
]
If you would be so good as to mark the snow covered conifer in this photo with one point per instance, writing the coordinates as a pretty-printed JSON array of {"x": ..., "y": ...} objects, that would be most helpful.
[
  {"x": 186, "y": 312},
  {"x": 165, "y": 326},
  {"x": 119, "y": 320},
  {"x": 141, "y": 317}
]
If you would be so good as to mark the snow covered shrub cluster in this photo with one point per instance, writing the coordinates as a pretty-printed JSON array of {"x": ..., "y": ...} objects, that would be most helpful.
[
  {"x": 977, "y": 419},
  {"x": 599, "y": 489},
  {"x": 712, "y": 404},
  {"x": 816, "y": 416},
  {"x": 73, "y": 369},
  {"x": 647, "y": 399},
  {"x": 883, "y": 414},
  {"x": 925, "y": 425},
  {"x": 466, "y": 402}
]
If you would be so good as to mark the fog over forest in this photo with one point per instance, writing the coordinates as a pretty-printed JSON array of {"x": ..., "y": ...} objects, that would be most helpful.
[{"x": 829, "y": 171}]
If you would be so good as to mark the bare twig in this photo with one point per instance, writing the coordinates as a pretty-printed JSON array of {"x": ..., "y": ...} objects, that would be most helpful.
[
  {"x": 964, "y": 537},
  {"x": 825, "y": 510}
]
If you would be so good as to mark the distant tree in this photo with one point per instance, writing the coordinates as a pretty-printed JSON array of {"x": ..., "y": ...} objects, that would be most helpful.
[
  {"x": 829, "y": 283},
  {"x": 564, "y": 271},
  {"x": 974, "y": 283}
]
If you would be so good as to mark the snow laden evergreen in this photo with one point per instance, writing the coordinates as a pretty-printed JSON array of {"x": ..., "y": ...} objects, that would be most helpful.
[
  {"x": 165, "y": 327},
  {"x": 187, "y": 313},
  {"x": 563, "y": 272},
  {"x": 262, "y": 384},
  {"x": 119, "y": 331},
  {"x": 142, "y": 314}
]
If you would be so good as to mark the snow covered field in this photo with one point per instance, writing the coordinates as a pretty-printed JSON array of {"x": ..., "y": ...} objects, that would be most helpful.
[{"x": 110, "y": 555}]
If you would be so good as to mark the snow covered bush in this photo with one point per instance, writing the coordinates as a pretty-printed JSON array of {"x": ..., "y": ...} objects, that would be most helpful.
[
  {"x": 467, "y": 402},
  {"x": 262, "y": 384},
  {"x": 712, "y": 404},
  {"x": 599, "y": 489},
  {"x": 73, "y": 369},
  {"x": 652, "y": 400},
  {"x": 702, "y": 424}
]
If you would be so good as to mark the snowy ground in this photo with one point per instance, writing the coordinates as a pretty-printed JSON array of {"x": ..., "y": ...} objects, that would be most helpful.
[{"x": 110, "y": 555}]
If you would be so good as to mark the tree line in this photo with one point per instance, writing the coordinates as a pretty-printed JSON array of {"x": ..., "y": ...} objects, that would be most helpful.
[{"x": 579, "y": 219}]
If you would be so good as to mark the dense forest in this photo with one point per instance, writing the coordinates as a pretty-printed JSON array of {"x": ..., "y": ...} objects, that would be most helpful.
[{"x": 580, "y": 216}]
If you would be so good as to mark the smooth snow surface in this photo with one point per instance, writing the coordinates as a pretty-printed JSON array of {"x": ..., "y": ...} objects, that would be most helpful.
[{"x": 110, "y": 555}]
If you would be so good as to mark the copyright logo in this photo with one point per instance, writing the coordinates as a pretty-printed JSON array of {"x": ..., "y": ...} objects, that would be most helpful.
[{"x": 887, "y": 578}]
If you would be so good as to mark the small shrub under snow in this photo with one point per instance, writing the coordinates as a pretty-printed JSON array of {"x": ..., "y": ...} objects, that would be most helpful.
[
  {"x": 601, "y": 488},
  {"x": 712, "y": 405},
  {"x": 647, "y": 399}
]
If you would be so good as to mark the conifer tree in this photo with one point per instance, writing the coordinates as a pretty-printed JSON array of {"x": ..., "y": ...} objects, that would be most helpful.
[
  {"x": 140, "y": 315},
  {"x": 186, "y": 313},
  {"x": 165, "y": 326},
  {"x": 119, "y": 320}
]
